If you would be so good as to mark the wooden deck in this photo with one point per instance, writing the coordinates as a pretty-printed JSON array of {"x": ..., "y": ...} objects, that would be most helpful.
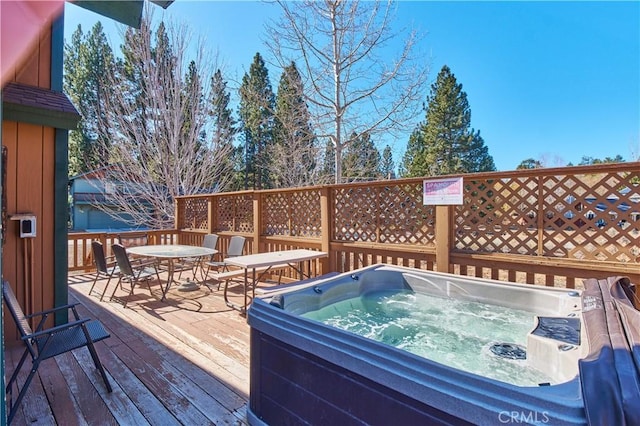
[{"x": 182, "y": 361}]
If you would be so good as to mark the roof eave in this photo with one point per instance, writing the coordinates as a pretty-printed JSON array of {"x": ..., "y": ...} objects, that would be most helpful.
[
  {"x": 128, "y": 12},
  {"x": 40, "y": 116}
]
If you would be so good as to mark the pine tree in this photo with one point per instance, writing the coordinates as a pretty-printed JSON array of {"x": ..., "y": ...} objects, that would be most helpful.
[
  {"x": 257, "y": 122},
  {"x": 86, "y": 62},
  {"x": 329, "y": 163},
  {"x": 387, "y": 165},
  {"x": 444, "y": 143},
  {"x": 477, "y": 159},
  {"x": 295, "y": 151},
  {"x": 224, "y": 127},
  {"x": 586, "y": 160},
  {"x": 132, "y": 72},
  {"x": 529, "y": 163},
  {"x": 361, "y": 160},
  {"x": 411, "y": 160},
  {"x": 192, "y": 84}
]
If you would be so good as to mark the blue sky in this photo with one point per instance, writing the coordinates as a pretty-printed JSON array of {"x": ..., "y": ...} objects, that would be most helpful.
[{"x": 552, "y": 81}]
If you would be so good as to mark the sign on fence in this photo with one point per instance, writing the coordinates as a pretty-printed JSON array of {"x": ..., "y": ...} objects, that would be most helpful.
[{"x": 442, "y": 191}]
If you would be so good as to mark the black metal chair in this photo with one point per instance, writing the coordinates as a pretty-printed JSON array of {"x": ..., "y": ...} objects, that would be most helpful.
[
  {"x": 45, "y": 343},
  {"x": 104, "y": 268},
  {"x": 133, "y": 273}
]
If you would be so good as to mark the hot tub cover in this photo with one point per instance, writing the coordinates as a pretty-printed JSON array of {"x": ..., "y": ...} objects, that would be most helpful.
[{"x": 610, "y": 374}]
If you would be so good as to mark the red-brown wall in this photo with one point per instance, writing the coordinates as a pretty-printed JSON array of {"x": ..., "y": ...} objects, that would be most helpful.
[{"x": 28, "y": 263}]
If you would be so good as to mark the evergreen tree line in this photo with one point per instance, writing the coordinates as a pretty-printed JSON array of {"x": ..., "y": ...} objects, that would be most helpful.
[
  {"x": 532, "y": 163},
  {"x": 269, "y": 142}
]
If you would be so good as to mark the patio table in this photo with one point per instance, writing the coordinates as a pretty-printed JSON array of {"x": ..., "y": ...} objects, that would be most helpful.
[
  {"x": 264, "y": 262},
  {"x": 171, "y": 252}
]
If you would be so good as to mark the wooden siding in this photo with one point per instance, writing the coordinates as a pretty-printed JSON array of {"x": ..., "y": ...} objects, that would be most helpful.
[
  {"x": 36, "y": 68},
  {"x": 28, "y": 262}
]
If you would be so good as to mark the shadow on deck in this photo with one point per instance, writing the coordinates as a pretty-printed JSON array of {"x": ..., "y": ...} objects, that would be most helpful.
[{"x": 182, "y": 361}]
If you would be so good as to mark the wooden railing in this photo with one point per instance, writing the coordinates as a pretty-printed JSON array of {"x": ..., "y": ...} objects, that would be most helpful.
[
  {"x": 543, "y": 226},
  {"x": 80, "y": 257}
]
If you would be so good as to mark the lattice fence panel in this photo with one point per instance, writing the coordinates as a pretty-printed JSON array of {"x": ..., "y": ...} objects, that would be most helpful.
[
  {"x": 355, "y": 214},
  {"x": 234, "y": 213},
  {"x": 244, "y": 213},
  {"x": 292, "y": 213},
  {"x": 593, "y": 217},
  {"x": 588, "y": 217},
  {"x": 276, "y": 213},
  {"x": 391, "y": 214},
  {"x": 193, "y": 213},
  {"x": 225, "y": 211},
  {"x": 305, "y": 214},
  {"x": 403, "y": 219},
  {"x": 498, "y": 215}
]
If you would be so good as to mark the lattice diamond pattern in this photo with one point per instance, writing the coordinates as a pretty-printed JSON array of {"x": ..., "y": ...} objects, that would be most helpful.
[
  {"x": 225, "y": 210},
  {"x": 354, "y": 212},
  {"x": 498, "y": 216},
  {"x": 305, "y": 214},
  {"x": 292, "y": 213},
  {"x": 244, "y": 213},
  {"x": 402, "y": 218},
  {"x": 384, "y": 214},
  {"x": 275, "y": 213},
  {"x": 592, "y": 216},
  {"x": 234, "y": 213},
  {"x": 194, "y": 214}
]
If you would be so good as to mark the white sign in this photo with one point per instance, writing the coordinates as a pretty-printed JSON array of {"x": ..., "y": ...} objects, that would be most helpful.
[{"x": 442, "y": 191}]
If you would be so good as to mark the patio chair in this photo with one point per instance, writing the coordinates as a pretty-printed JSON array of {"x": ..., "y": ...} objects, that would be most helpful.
[
  {"x": 106, "y": 267},
  {"x": 133, "y": 272},
  {"x": 209, "y": 241},
  {"x": 45, "y": 343},
  {"x": 236, "y": 248}
]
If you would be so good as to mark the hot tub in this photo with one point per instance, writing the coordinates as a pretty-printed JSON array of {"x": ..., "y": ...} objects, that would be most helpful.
[{"x": 304, "y": 371}]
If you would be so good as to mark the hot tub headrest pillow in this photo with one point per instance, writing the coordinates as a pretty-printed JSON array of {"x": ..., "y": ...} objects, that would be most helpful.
[{"x": 382, "y": 280}]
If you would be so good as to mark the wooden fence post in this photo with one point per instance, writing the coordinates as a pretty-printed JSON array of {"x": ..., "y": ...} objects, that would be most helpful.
[
  {"x": 176, "y": 217},
  {"x": 257, "y": 222},
  {"x": 540, "y": 218},
  {"x": 444, "y": 226},
  {"x": 211, "y": 215},
  {"x": 327, "y": 264}
]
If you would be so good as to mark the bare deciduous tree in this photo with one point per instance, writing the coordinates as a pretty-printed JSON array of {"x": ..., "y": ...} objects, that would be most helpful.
[
  {"x": 162, "y": 142},
  {"x": 350, "y": 86}
]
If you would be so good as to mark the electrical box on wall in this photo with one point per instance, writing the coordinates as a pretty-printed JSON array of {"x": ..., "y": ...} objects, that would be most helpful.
[{"x": 26, "y": 225}]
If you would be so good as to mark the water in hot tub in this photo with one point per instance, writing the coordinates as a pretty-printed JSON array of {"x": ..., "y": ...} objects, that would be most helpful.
[{"x": 452, "y": 332}]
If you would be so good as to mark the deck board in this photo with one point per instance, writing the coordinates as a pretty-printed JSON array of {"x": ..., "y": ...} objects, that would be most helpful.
[
  {"x": 60, "y": 399},
  {"x": 180, "y": 361}
]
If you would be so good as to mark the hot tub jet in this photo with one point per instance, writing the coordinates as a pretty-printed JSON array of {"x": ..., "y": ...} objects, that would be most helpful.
[{"x": 509, "y": 351}]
